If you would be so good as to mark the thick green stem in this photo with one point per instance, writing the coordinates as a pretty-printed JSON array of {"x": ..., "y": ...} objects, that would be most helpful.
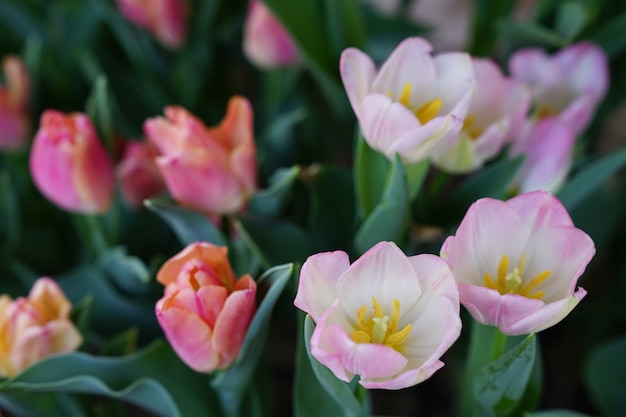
[{"x": 90, "y": 229}]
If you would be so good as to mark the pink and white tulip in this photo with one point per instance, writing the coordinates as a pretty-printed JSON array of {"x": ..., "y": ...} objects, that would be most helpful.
[
  {"x": 138, "y": 173},
  {"x": 414, "y": 102},
  {"x": 69, "y": 164},
  {"x": 266, "y": 42},
  {"x": 517, "y": 262},
  {"x": 497, "y": 112},
  {"x": 212, "y": 170},
  {"x": 165, "y": 19},
  {"x": 386, "y": 317},
  {"x": 206, "y": 310},
  {"x": 568, "y": 85},
  {"x": 35, "y": 327},
  {"x": 14, "y": 105}
]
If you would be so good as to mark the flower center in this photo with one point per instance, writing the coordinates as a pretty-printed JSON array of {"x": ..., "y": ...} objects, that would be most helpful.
[
  {"x": 512, "y": 281},
  {"x": 468, "y": 127},
  {"x": 545, "y": 111},
  {"x": 380, "y": 328},
  {"x": 426, "y": 112}
]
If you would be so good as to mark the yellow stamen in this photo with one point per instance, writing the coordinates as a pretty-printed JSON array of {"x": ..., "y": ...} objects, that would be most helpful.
[
  {"x": 489, "y": 282},
  {"x": 405, "y": 95},
  {"x": 394, "y": 316},
  {"x": 378, "y": 310},
  {"x": 428, "y": 111},
  {"x": 473, "y": 132},
  {"x": 502, "y": 270},
  {"x": 513, "y": 282},
  {"x": 398, "y": 338},
  {"x": 380, "y": 328},
  {"x": 533, "y": 283},
  {"x": 361, "y": 337}
]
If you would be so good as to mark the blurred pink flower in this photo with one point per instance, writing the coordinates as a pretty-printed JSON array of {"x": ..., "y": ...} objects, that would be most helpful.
[
  {"x": 517, "y": 262},
  {"x": 205, "y": 311},
  {"x": 387, "y": 317},
  {"x": 14, "y": 102},
  {"x": 138, "y": 173},
  {"x": 414, "y": 102},
  {"x": 266, "y": 42},
  {"x": 497, "y": 112},
  {"x": 208, "y": 169},
  {"x": 69, "y": 165},
  {"x": 36, "y": 327},
  {"x": 569, "y": 84},
  {"x": 165, "y": 19}
]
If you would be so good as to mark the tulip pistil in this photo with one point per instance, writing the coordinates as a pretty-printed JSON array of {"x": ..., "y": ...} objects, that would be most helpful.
[
  {"x": 380, "y": 328},
  {"x": 512, "y": 282}
]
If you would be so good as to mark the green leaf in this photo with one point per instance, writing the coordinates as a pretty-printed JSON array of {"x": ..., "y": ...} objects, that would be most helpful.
[
  {"x": 370, "y": 169},
  {"x": 589, "y": 178},
  {"x": 340, "y": 391},
  {"x": 530, "y": 33},
  {"x": 556, "y": 413},
  {"x": 499, "y": 386},
  {"x": 605, "y": 377},
  {"x": 416, "y": 174},
  {"x": 9, "y": 214},
  {"x": 170, "y": 389},
  {"x": 611, "y": 36},
  {"x": 188, "y": 225},
  {"x": 390, "y": 218},
  {"x": 269, "y": 201},
  {"x": 484, "y": 22},
  {"x": 571, "y": 19},
  {"x": 128, "y": 272},
  {"x": 233, "y": 382},
  {"x": 99, "y": 110},
  {"x": 344, "y": 25}
]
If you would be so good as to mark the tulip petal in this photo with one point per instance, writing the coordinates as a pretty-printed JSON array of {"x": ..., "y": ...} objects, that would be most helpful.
[{"x": 357, "y": 74}]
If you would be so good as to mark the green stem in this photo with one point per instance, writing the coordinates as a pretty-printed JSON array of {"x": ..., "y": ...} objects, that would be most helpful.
[
  {"x": 498, "y": 346},
  {"x": 90, "y": 229}
]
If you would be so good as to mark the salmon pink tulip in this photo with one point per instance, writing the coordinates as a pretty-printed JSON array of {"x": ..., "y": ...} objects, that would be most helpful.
[
  {"x": 14, "y": 102},
  {"x": 386, "y": 317},
  {"x": 205, "y": 311},
  {"x": 496, "y": 114},
  {"x": 35, "y": 327},
  {"x": 138, "y": 173},
  {"x": 266, "y": 42},
  {"x": 69, "y": 164},
  {"x": 165, "y": 19},
  {"x": 517, "y": 262},
  {"x": 413, "y": 103},
  {"x": 212, "y": 170}
]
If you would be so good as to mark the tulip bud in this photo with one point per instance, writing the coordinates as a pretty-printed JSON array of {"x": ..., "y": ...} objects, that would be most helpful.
[
  {"x": 138, "y": 173},
  {"x": 205, "y": 311},
  {"x": 14, "y": 101},
  {"x": 35, "y": 327},
  {"x": 69, "y": 165},
  {"x": 165, "y": 19}
]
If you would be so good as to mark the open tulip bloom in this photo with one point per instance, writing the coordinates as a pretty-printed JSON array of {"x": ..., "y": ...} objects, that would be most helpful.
[
  {"x": 517, "y": 262},
  {"x": 414, "y": 102},
  {"x": 387, "y": 317}
]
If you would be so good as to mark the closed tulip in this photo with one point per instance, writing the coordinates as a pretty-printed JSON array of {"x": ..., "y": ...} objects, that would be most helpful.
[
  {"x": 138, "y": 173},
  {"x": 165, "y": 19},
  {"x": 14, "y": 102}
]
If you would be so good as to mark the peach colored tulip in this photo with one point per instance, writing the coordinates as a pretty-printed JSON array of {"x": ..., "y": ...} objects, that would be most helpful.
[
  {"x": 205, "y": 311},
  {"x": 212, "y": 170},
  {"x": 14, "y": 102},
  {"x": 266, "y": 42},
  {"x": 35, "y": 327},
  {"x": 165, "y": 19},
  {"x": 138, "y": 173},
  {"x": 69, "y": 164}
]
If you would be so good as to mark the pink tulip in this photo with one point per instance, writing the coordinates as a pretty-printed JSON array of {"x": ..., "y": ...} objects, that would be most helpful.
[
  {"x": 212, "y": 170},
  {"x": 413, "y": 103},
  {"x": 569, "y": 84},
  {"x": 14, "y": 103},
  {"x": 205, "y": 311},
  {"x": 387, "y": 317},
  {"x": 36, "y": 327},
  {"x": 266, "y": 42},
  {"x": 165, "y": 19},
  {"x": 497, "y": 112},
  {"x": 517, "y": 262},
  {"x": 69, "y": 165},
  {"x": 138, "y": 173}
]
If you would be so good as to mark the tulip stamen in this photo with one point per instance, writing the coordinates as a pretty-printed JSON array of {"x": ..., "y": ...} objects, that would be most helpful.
[
  {"x": 405, "y": 95},
  {"x": 472, "y": 132},
  {"x": 380, "y": 328},
  {"x": 428, "y": 111},
  {"x": 512, "y": 281}
]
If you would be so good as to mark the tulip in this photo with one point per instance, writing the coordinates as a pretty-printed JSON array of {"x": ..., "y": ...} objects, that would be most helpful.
[
  {"x": 138, "y": 173},
  {"x": 205, "y": 311},
  {"x": 165, "y": 19},
  {"x": 386, "y": 317},
  {"x": 413, "y": 103},
  {"x": 212, "y": 170},
  {"x": 69, "y": 164},
  {"x": 266, "y": 42},
  {"x": 548, "y": 156},
  {"x": 497, "y": 112},
  {"x": 569, "y": 84},
  {"x": 14, "y": 102},
  {"x": 35, "y": 327},
  {"x": 517, "y": 262}
]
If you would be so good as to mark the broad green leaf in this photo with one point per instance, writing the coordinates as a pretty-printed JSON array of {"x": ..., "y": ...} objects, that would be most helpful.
[
  {"x": 390, "y": 218},
  {"x": 99, "y": 110},
  {"x": 605, "y": 377},
  {"x": 530, "y": 32},
  {"x": 269, "y": 201},
  {"x": 485, "y": 16},
  {"x": 370, "y": 170},
  {"x": 572, "y": 18},
  {"x": 555, "y": 413},
  {"x": 233, "y": 382},
  {"x": 340, "y": 391},
  {"x": 170, "y": 389},
  {"x": 188, "y": 225},
  {"x": 611, "y": 36},
  {"x": 128, "y": 272},
  {"x": 416, "y": 174},
  {"x": 586, "y": 180},
  {"x": 344, "y": 25},
  {"x": 499, "y": 386}
]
